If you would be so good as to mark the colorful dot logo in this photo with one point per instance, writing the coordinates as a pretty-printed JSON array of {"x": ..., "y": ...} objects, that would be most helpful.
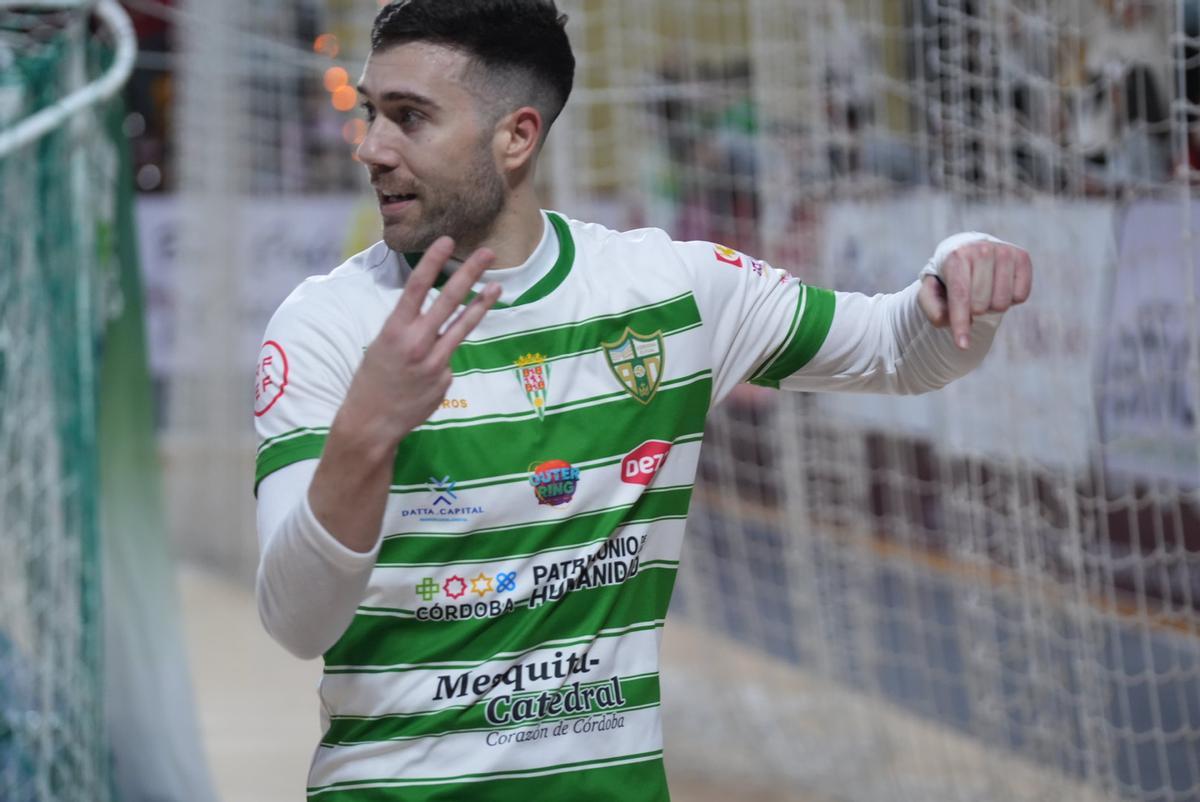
[
  {"x": 554, "y": 482},
  {"x": 455, "y": 587}
]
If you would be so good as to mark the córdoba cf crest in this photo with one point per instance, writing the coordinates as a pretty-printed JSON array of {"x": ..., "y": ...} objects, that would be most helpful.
[
  {"x": 637, "y": 362},
  {"x": 533, "y": 373}
]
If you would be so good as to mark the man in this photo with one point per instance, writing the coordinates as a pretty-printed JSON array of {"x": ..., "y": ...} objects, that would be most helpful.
[{"x": 475, "y": 515}]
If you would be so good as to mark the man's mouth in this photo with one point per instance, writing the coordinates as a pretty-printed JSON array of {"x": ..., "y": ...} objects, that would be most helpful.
[{"x": 388, "y": 198}]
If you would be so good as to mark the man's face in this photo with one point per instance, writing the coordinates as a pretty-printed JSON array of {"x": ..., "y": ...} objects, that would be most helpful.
[{"x": 428, "y": 148}]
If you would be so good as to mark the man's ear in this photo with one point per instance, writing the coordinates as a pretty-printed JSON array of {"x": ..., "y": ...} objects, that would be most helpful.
[{"x": 517, "y": 138}]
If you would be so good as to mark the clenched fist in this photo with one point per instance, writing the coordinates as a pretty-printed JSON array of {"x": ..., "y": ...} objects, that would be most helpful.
[{"x": 980, "y": 276}]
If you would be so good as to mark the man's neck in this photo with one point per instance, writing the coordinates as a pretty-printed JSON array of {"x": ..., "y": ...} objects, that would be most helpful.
[{"x": 515, "y": 235}]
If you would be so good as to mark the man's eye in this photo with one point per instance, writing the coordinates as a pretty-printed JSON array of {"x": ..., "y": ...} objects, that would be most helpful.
[
  {"x": 408, "y": 117},
  {"x": 368, "y": 111}
]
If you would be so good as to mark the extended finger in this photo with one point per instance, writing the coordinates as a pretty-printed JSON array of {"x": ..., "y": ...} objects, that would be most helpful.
[
  {"x": 422, "y": 278},
  {"x": 1022, "y": 277},
  {"x": 465, "y": 323},
  {"x": 983, "y": 265},
  {"x": 455, "y": 290},
  {"x": 957, "y": 275}
]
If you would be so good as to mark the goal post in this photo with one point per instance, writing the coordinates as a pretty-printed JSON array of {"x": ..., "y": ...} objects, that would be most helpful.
[{"x": 72, "y": 499}]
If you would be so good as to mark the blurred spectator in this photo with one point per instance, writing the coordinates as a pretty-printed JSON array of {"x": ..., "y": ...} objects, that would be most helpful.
[
  {"x": 149, "y": 96},
  {"x": 1029, "y": 58},
  {"x": 1186, "y": 68},
  {"x": 1122, "y": 123},
  {"x": 858, "y": 145}
]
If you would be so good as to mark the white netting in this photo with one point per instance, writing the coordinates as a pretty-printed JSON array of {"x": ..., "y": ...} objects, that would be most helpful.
[
  {"x": 57, "y": 201},
  {"x": 262, "y": 155},
  {"x": 989, "y": 593}
]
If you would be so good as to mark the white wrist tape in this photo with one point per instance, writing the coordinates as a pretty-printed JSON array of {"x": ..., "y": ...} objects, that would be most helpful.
[{"x": 951, "y": 244}]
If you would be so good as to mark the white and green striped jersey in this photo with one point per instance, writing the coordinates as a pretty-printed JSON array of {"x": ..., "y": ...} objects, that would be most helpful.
[{"x": 506, "y": 643}]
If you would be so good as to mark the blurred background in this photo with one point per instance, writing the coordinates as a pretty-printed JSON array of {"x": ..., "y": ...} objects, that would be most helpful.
[{"x": 990, "y": 593}]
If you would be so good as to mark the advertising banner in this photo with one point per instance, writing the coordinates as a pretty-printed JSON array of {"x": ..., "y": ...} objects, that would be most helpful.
[
  {"x": 1034, "y": 394},
  {"x": 1150, "y": 397},
  {"x": 278, "y": 242}
]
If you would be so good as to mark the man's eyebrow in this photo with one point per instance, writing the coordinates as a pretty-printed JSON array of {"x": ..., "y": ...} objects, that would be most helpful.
[{"x": 400, "y": 96}]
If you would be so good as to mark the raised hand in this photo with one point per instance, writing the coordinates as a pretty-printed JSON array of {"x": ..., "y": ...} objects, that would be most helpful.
[
  {"x": 405, "y": 372},
  {"x": 976, "y": 278}
]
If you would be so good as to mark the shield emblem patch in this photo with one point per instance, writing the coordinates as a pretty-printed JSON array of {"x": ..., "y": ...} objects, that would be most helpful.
[{"x": 637, "y": 362}]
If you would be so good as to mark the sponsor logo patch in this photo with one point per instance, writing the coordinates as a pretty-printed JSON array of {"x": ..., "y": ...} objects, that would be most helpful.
[
  {"x": 641, "y": 464},
  {"x": 637, "y": 362},
  {"x": 445, "y": 505},
  {"x": 515, "y": 704},
  {"x": 534, "y": 375},
  {"x": 454, "y": 403},
  {"x": 462, "y": 598},
  {"x": 728, "y": 256},
  {"x": 554, "y": 482},
  {"x": 427, "y": 589},
  {"x": 467, "y": 684},
  {"x": 615, "y": 561},
  {"x": 455, "y": 587},
  {"x": 271, "y": 377}
]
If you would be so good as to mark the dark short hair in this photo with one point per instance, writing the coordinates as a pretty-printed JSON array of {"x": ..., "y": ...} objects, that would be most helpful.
[{"x": 521, "y": 46}]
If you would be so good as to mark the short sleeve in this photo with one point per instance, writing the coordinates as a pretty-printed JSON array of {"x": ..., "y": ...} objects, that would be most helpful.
[
  {"x": 765, "y": 323},
  {"x": 307, "y": 359}
]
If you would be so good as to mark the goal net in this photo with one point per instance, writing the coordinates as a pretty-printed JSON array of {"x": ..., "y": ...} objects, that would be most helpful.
[
  {"x": 992, "y": 592},
  {"x": 57, "y": 195},
  {"x": 989, "y": 593}
]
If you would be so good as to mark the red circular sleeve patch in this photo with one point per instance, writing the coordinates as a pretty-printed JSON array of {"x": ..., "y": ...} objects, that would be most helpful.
[{"x": 271, "y": 377}]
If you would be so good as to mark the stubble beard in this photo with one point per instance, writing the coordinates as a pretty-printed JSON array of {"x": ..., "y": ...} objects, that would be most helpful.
[{"x": 466, "y": 210}]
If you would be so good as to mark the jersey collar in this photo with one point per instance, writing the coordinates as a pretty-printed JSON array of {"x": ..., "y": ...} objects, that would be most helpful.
[{"x": 547, "y": 284}]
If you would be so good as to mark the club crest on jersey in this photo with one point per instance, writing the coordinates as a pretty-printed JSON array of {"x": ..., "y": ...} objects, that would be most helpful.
[
  {"x": 637, "y": 362},
  {"x": 534, "y": 375}
]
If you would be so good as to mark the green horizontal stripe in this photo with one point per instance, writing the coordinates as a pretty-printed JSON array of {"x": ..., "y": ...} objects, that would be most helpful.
[
  {"x": 501, "y": 352},
  {"x": 523, "y": 540},
  {"x": 374, "y": 640},
  {"x": 551, "y": 360},
  {"x": 632, "y": 778},
  {"x": 500, "y": 448},
  {"x": 809, "y": 336},
  {"x": 281, "y": 454},
  {"x": 465, "y": 666},
  {"x": 292, "y": 433},
  {"x": 523, "y": 416},
  {"x": 523, "y": 476},
  {"x": 684, "y": 399},
  {"x": 638, "y": 692},
  {"x": 660, "y": 564}
]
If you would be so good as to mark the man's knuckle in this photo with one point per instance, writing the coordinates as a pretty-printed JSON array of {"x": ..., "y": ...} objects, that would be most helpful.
[
  {"x": 413, "y": 351},
  {"x": 431, "y": 363},
  {"x": 391, "y": 335}
]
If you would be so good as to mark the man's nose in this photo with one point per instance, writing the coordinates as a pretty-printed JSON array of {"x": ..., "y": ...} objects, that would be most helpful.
[{"x": 376, "y": 151}]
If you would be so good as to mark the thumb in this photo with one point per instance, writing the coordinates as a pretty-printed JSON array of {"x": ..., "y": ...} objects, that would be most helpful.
[{"x": 932, "y": 300}]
